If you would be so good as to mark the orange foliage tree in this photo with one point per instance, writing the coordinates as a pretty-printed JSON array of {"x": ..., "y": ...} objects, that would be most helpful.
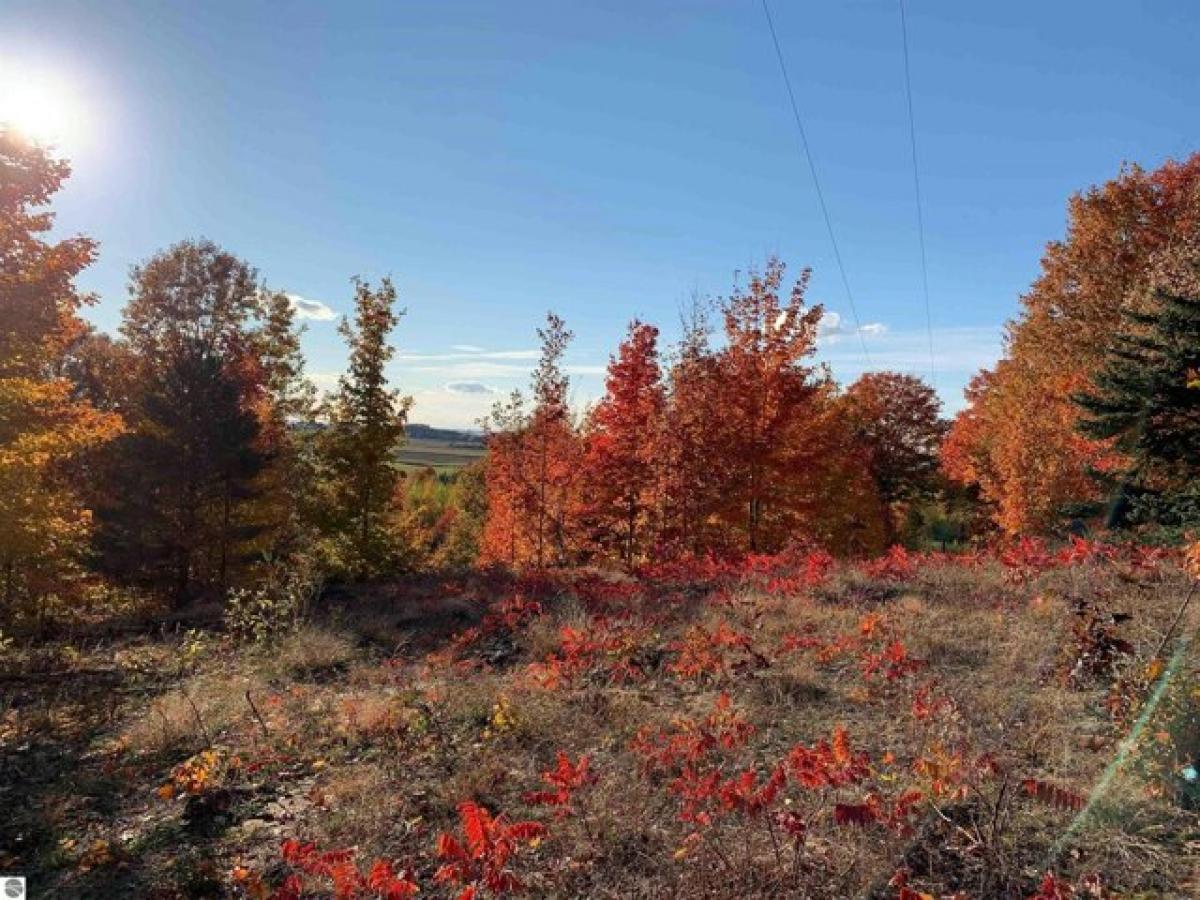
[
  {"x": 1017, "y": 440},
  {"x": 781, "y": 463},
  {"x": 533, "y": 472},
  {"x": 44, "y": 427},
  {"x": 740, "y": 448},
  {"x": 896, "y": 420},
  {"x": 621, "y": 468},
  {"x": 686, "y": 477}
]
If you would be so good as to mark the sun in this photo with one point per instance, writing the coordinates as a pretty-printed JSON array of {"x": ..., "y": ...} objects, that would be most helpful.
[{"x": 40, "y": 107}]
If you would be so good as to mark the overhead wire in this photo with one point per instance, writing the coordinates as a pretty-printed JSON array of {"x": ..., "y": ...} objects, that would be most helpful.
[
  {"x": 812, "y": 168},
  {"x": 912, "y": 134}
]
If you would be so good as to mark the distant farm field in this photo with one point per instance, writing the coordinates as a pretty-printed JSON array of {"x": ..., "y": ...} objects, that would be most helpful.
[{"x": 439, "y": 453}]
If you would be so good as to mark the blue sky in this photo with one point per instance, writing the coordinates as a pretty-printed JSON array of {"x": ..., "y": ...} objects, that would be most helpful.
[{"x": 602, "y": 159}]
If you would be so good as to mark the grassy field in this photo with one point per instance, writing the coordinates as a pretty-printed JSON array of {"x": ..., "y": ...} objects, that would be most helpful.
[
  {"x": 793, "y": 729},
  {"x": 436, "y": 453}
]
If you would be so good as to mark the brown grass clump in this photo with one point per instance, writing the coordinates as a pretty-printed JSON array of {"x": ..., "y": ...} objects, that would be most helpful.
[{"x": 310, "y": 652}]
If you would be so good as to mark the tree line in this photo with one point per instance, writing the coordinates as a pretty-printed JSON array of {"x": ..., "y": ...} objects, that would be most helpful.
[
  {"x": 168, "y": 457},
  {"x": 1093, "y": 412},
  {"x": 188, "y": 454},
  {"x": 737, "y": 442}
]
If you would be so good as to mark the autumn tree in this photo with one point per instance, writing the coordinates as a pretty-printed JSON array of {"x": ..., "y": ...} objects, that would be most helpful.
[
  {"x": 1018, "y": 440},
  {"x": 508, "y": 538},
  {"x": 101, "y": 369},
  {"x": 178, "y": 503},
  {"x": 533, "y": 469},
  {"x": 286, "y": 406},
  {"x": 1146, "y": 400},
  {"x": 897, "y": 420},
  {"x": 553, "y": 445},
  {"x": 622, "y": 450},
  {"x": 755, "y": 451},
  {"x": 686, "y": 478},
  {"x": 768, "y": 429},
  {"x": 44, "y": 425},
  {"x": 365, "y": 429}
]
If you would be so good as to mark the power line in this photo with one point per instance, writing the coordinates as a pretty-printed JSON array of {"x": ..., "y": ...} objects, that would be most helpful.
[
  {"x": 812, "y": 168},
  {"x": 912, "y": 134}
]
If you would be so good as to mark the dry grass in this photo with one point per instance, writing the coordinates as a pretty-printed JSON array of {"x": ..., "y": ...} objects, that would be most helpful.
[{"x": 367, "y": 731}]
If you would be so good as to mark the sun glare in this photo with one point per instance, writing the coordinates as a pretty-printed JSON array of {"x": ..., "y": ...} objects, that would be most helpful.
[{"x": 40, "y": 107}]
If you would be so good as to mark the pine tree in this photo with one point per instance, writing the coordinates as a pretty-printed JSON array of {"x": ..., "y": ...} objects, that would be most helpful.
[
  {"x": 1145, "y": 400},
  {"x": 179, "y": 484},
  {"x": 179, "y": 503},
  {"x": 366, "y": 422}
]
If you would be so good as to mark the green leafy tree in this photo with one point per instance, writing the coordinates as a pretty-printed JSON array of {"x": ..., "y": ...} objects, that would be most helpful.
[
  {"x": 464, "y": 535},
  {"x": 287, "y": 407},
  {"x": 366, "y": 420}
]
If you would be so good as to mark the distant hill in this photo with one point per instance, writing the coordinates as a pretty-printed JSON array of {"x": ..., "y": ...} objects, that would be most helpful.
[
  {"x": 417, "y": 431},
  {"x": 443, "y": 449}
]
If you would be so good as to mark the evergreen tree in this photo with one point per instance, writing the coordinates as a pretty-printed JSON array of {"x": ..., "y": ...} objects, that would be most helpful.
[
  {"x": 366, "y": 422},
  {"x": 179, "y": 483},
  {"x": 179, "y": 503},
  {"x": 1146, "y": 401}
]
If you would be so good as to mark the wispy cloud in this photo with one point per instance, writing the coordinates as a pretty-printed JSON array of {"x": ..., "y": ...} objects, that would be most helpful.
[
  {"x": 464, "y": 370},
  {"x": 833, "y": 327},
  {"x": 958, "y": 353},
  {"x": 467, "y": 348},
  {"x": 323, "y": 380},
  {"x": 481, "y": 369},
  {"x": 954, "y": 349},
  {"x": 314, "y": 310},
  {"x": 461, "y": 353},
  {"x": 470, "y": 387}
]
